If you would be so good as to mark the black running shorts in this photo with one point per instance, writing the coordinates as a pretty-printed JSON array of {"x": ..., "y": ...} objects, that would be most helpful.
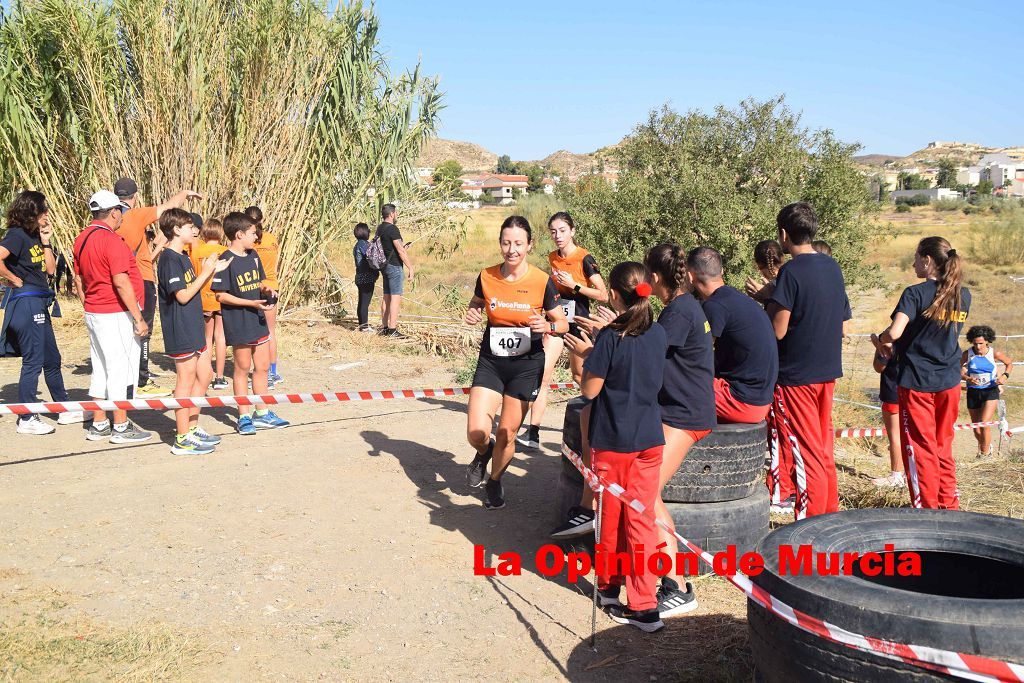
[
  {"x": 518, "y": 377},
  {"x": 977, "y": 398}
]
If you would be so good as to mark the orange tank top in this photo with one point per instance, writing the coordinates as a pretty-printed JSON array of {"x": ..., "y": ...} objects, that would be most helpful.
[
  {"x": 573, "y": 265},
  {"x": 510, "y": 304}
]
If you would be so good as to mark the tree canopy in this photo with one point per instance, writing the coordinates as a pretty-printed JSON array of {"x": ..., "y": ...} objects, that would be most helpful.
[{"x": 719, "y": 180}]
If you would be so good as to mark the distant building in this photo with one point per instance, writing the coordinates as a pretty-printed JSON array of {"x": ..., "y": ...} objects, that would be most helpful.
[
  {"x": 549, "y": 185},
  {"x": 968, "y": 175},
  {"x": 933, "y": 193},
  {"x": 501, "y": 187}
]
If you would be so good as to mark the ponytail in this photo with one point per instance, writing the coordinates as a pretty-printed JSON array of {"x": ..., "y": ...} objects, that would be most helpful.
[
  {"x": 669, "y": 262},
  {"x": 949, "y": 266},
  {"x": 768, "y": 254},
  {"x": 631, "y": 280}
]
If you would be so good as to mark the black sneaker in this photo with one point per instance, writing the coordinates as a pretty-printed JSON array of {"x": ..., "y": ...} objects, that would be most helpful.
[
  {"x": 580, "y": 523},
  {"x": 477, "y": 470},
  {"x": 395, "y": 334},
  {"x": 648, "y": 620},
  {"x": 495, "y": 495},
  {"x": 531, "y": 438},
  {"x": 609, "y": 597},
  {"x": 384, "y": 331},
  {"x": 672, "y": 601}
]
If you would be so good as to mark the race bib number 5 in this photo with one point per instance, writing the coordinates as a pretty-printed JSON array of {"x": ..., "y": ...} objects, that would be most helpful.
[
  {"x": 510, "y": 341},
  {"x": 569, "y": 308}
]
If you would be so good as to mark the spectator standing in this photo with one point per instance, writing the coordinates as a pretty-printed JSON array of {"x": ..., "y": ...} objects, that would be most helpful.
[
  {"x": 366, "y": 277},
  {"x": 26, "y": 258},
  {"x": 808, "y": 307},
  {"x": 110, "y": 287},
  {"x": 132, "y": 229},
  {"x": 394, "y": 279}
]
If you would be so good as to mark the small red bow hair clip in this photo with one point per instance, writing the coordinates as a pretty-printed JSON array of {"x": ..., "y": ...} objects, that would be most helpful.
[{"x": 643, "y": 290}]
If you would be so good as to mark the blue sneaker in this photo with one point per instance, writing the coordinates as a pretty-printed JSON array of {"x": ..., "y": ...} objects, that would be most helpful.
[
  {"x": 276, "y": 378},
  {"x": 245, "y": 426},
  {"x": 204, "y": 437},
  {"x": 269, "y": 421}
]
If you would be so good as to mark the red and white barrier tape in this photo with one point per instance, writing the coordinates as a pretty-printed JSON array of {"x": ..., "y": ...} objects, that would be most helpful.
[
  {"x": 864, "y": 432},
  {"x": 961, "y": 665},
  {"x": 228, "y": 401}
]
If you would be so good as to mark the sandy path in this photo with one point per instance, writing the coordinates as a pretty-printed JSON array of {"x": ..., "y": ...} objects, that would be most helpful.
[{"x": 339, "y": 548}]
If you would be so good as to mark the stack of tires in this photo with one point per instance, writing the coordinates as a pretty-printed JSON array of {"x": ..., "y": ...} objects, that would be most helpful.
[
  {"x": 967, "y": 597},
  {"x": 717, "y": 498}
]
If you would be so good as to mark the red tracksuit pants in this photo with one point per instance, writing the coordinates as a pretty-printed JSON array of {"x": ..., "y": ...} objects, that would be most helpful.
[
  {"x": 622, "y": 527},
  {"x": 926, "y": 419},
  {"x": 803, "y": 422}
]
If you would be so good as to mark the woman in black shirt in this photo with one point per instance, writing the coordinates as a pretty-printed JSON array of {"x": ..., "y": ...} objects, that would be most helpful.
[{"x": 26, "y": 259}]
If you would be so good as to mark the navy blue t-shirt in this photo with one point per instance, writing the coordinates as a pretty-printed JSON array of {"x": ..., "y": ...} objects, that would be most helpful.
[
  {"x": 625, "y": 417},
  {"x": 929, "y": 354},
  {"x": 687, "y": 396},
  {"x": 888, "y": 389},
  {"x": 182, "y": 324},
  {"x": 746, "y": 353},
  {"x": 243, "y": 325},
  {"x": 811, "y": 287},
  {"x": 27, "y": 259}
]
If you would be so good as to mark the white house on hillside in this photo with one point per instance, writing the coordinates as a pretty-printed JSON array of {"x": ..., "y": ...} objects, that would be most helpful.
[{"x": 933, "y": 193}]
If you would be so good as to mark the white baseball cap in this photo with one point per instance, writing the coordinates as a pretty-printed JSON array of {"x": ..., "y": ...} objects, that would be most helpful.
[{"x": 104, "y": 200}]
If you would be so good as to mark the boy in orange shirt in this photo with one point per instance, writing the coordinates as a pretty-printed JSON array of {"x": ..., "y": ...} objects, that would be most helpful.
[
  {"x": 267, "y": 248},
  {"x": 211, "y": 243}
]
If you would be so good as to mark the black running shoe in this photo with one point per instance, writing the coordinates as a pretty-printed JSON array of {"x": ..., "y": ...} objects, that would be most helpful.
[
  {"x": 672, "y": 601},
  {"x": 530, "y": 438},
  {"x": 495, "y": 495},
  {"x": 477, "y": 470},
  {"x": 580, "y": 523},
  {"x": 648, "y": 621},
  {"x": 609, "y": 597}
]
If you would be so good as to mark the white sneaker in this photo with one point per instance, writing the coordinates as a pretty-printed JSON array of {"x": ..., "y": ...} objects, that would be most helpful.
[
  {"x": 33, "y": 425},
  {"x": 71, "y": 417},
  {"x": 895, "y": 480}
]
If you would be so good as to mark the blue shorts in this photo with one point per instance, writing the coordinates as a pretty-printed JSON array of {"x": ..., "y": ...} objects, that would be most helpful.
[{"x": 394, "y": 279}]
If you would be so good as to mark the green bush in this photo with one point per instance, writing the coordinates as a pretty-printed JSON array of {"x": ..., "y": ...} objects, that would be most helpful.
[
  {"x": 1000, "y": 242},
  {"x": 719, "y": 179},
  {"x": 971, "y": 209},
  {"x": 914, "y": 200},
  {"x": 948, "y": 205},
  {"x": 902, "y": 208}
]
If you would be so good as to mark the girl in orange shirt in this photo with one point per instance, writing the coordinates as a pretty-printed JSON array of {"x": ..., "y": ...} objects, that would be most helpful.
[
  {"x": 212, "y": 243},
  {"x": 521, "y": 305},
  {"x": 579, "y": 281},
  {"x": 268, "y": 251}
]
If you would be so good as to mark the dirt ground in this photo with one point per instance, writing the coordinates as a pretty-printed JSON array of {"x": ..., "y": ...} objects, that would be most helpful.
[{"x": 340, "y": 548}]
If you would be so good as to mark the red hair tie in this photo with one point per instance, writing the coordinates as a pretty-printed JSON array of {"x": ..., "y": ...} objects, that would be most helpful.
[{"x": 643, "y": 290}]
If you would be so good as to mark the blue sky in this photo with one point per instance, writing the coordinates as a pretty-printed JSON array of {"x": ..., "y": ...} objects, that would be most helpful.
[{"x": 529, "y": 78}]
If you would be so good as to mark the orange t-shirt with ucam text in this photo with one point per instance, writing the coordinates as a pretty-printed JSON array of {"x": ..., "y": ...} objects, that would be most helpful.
[
  {"x": 199, "y": 253},
  {"x": 267, "y": 249},
  {"x": 133, "y": 231}
]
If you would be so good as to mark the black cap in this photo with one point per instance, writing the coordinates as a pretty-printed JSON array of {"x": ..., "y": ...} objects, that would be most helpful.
[
  {"x": 125, "y": 187},
  {"x": 197, "y": 220}
]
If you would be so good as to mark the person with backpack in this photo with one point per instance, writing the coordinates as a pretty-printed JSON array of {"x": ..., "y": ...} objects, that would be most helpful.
[
  {"x": 389, "y": 240},
  {"x": 366, "y": 275}
]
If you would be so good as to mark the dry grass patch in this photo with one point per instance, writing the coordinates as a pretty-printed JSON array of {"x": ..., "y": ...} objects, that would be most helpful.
[{"x": 40, "y": 643}]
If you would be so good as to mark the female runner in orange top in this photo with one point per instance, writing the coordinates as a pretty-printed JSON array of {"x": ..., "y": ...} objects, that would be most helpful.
[{"x": 521, "y": 305}]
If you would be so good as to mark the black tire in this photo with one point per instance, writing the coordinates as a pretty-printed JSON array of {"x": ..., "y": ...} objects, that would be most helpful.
[
  {"x": 728, "y": 464},
  {"x": 571, "y": 436},
  {"x": 715, "y": 526},
  {"x": 969, "y": 598}
]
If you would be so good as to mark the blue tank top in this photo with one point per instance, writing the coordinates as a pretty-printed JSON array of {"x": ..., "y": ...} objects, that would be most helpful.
[{"x": 983, "y": 368}]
